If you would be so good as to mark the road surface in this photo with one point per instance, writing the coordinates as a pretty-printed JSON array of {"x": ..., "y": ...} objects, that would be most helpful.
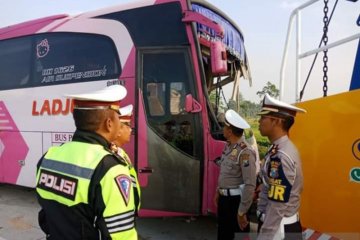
[{"x": 18, "y": 220}]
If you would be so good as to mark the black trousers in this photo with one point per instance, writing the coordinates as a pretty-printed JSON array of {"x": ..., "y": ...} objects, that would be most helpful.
[
  {"x": 292, "y": 231},
  {"x": 227, "y": 218}
]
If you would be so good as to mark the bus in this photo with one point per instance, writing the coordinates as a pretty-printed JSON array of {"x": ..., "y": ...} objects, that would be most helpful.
[
  {"x": 328, "y": 135},
  {"x": 173, "y": 57}
]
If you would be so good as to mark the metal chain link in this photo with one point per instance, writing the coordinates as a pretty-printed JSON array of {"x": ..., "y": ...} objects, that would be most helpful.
[{"x": 325, "y": 40}]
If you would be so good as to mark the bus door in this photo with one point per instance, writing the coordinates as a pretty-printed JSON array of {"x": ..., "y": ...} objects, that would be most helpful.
[{"x": 170, "y": 148}]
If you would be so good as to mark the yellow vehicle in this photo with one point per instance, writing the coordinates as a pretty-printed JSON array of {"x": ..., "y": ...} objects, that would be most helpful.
[{"x": 328, "y": 136}]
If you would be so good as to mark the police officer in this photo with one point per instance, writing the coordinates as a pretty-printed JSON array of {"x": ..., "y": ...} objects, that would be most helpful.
[
  {"x": 279, "y": 199},
  {"x": 84, "y": 190},
  {"x": 123, "y": 138},
  {"x": 237, "y": 179}
]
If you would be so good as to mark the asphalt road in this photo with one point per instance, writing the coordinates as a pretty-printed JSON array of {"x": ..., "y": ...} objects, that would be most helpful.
[{"x": 18, "y": 221}]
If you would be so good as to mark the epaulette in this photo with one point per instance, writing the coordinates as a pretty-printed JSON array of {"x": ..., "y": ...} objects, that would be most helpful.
[{"x": 243, "y": 145}]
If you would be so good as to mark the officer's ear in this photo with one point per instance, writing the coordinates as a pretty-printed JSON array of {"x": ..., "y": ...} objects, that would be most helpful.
[{"x": 109, "y": 123}]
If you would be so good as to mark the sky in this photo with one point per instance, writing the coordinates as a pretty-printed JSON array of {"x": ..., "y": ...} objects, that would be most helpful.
[{"x": 264, "y": 25}]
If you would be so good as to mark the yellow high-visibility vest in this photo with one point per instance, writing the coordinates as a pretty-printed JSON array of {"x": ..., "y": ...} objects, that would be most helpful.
[{"x": 65, "y": 175}]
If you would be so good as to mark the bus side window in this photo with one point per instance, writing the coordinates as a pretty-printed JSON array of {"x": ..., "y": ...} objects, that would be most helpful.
[{"x": 15, "y": 68}]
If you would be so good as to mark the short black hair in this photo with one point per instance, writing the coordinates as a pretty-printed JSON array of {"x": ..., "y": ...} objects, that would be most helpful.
[
  {"x": 288, "y": 120},
  {"x": 236, "y": 131},
  {"x": 89, "y": 120}
]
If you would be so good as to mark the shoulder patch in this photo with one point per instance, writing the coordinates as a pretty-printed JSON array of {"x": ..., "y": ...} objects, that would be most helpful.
[
  {"x": 279, "y": 187},
  {"x": 124, "y": 184},
  {"x": 244, "y": 158}
]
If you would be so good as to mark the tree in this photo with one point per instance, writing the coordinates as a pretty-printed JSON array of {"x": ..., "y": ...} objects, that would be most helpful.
[
  {"x": 249, "y": 109},
  {"x": 269, "y": 89}
]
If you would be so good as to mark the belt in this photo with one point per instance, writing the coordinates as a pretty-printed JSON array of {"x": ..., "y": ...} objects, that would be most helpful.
[
  {"x": 290, "y": 220},
  {"x": 280, "y": 233},
  {"x": 229, "y": 191}
]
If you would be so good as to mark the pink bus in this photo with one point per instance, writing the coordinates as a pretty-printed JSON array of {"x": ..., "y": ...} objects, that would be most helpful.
[{"x": 175, "y": 57}]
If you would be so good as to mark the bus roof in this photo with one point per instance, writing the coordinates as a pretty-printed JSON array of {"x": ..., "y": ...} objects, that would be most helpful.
[
  {"x": 235, "y": 46},
  {"x": 28, "y": 27}
]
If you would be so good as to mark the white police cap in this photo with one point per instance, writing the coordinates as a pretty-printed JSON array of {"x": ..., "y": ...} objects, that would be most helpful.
[
  {"x": 108, "y": 97},
  {"x": 274, "y": 106},
  {"x": 126, "y": 113},
  {"x": 234, "y": 119}
]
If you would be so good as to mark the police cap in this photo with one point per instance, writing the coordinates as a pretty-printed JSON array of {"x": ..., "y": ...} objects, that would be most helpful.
[
  {"x": 106, "y": 98},
  {"x": 126, "y": 113},
  {"x": 234, "y": 119},
  {"x": 273, "y": 106}
]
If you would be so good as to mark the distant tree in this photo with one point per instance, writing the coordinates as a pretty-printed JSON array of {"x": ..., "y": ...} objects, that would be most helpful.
[
  {"x": 249, "y": 109},
  {"x": 269, "y": 89},
  {"x": 220, "y": 106}
]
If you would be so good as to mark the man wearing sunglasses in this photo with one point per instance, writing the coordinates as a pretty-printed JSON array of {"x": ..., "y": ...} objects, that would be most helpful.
[{"x": 279, "y": 199}]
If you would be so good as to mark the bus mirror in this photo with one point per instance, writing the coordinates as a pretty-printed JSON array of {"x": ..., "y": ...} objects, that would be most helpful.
[
  {"x": 191, "y": 105},
  {"x": 218, "y": 58}
]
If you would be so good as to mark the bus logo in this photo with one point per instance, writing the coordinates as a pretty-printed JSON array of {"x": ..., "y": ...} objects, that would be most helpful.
[
  {"x": 355, "y": 175},
  {"x": 356, "y": 149},
  {"x": 42, "y": 49}
]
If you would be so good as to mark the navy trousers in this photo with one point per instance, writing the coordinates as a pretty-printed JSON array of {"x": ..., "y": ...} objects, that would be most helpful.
[{"x": 227, "y": 218}]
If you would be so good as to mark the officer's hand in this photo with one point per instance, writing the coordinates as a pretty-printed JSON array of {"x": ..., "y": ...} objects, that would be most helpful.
[
  {"x": 216, "y": 198},
  {"x": 242, "y": 221}
]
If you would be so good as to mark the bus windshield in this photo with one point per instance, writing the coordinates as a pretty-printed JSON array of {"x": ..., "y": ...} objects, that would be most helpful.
[{"x": 222, "y": 89}]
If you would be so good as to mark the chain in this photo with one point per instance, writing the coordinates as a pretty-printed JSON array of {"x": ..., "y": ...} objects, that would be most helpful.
[{"x": 325, "y": 40}]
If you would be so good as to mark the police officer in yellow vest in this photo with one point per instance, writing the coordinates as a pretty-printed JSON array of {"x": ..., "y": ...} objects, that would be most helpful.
[
  {"x": 237, "y": 180},
  {"x": 279, "y": 199},
  {"x": 123, "y": 138},
  {"x": 85, "y": 191}
]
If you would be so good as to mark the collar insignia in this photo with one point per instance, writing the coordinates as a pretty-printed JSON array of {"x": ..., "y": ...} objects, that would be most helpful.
[{"x": 273, "y": 150}]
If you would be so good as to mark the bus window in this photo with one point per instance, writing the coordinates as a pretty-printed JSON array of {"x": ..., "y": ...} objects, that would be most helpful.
[
  {"x": 167, "y": 80},
  {"x": 57, "y": 58},
  {"x": 14, "y": 63},
  {"x": 73, "y": 57}
]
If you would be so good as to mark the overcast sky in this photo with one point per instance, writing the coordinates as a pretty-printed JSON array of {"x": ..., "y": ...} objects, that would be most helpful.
[{"x": 264, "y": 24}]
